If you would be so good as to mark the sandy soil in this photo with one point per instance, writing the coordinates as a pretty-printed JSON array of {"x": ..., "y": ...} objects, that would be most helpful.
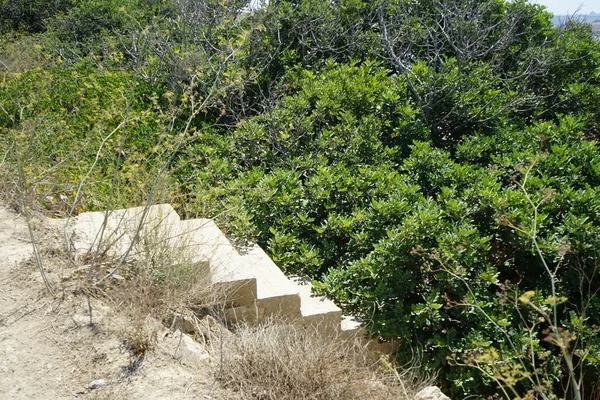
[{"x": 49, "y": 350}]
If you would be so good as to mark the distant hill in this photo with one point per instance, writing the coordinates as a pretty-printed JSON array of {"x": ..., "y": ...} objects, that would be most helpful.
[
  {"x": 591, "y": 18},
  {"x": 586, "y": 18}
]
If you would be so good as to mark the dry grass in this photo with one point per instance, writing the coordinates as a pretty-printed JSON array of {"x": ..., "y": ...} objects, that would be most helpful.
[
  {"x": 157, "y": 281},
  {"x": 278, "y": 362},
  {"x": 273, "y": 361}
]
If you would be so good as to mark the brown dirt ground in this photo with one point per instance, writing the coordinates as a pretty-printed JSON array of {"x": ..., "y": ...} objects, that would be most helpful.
[{"x": 49, "y": 350}]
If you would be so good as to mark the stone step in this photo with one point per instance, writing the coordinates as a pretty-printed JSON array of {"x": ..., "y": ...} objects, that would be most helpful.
[
  {"x": 205, "y": 242},
  {"x": 112, "y": 232},
  {"x": 257, "y": 286},
  {"x": 351, "y": 326},
  {"x": 352, "y": 329},
  {"x": 276, "y": 295},
  {"x": 318, "y": 312}
]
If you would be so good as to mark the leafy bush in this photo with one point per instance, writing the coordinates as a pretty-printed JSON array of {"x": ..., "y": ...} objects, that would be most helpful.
[
  {"x": 58, "y": 124},
  {"x": 29, "y": 15},
  {"x": 459, "y": 259},
  {"x": 430, "y": 246}
]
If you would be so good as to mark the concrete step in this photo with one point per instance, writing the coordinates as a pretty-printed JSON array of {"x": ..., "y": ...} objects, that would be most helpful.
[
  {"x": 318, "y": 312},
  {"x": 351, "y": 329},
  {"x": 276, "y": 295},
  {"x": 350, "y": 325},
  {"x": 111, "y": 233},
  {"x": 205, "y": 242}
]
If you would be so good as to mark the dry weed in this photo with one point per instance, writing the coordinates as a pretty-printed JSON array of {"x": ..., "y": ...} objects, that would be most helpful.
[
  {"x": 139, "y": 337},
  {"x": 278, "y": 362},
  {"x": 158, "y": 280},
  {"x": 273, "y": 361}
]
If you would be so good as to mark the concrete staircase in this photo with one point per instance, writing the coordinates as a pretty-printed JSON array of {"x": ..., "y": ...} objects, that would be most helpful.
[{"x": 253, "y": 287}]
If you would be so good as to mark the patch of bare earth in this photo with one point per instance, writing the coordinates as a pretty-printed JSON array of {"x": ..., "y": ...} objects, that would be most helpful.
[{"x": 49, "y": 349}]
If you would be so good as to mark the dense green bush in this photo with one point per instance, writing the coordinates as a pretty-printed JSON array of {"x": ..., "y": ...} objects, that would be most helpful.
[
  {"x": 450, "y": 273},
  {"x": 431, "y": 247},
  {"x": 29, "y": 15}
]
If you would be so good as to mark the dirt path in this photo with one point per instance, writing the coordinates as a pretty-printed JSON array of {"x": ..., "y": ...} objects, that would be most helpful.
[{"x": 49, "y": 350}]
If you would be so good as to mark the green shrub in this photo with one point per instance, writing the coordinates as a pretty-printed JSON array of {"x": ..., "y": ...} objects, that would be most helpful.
[
  {"x": 432, "y": 246},
  {"x": 449, "y": 275},
  {"x": 29, "y": 15},
  {"x": 59, "y": 123}
]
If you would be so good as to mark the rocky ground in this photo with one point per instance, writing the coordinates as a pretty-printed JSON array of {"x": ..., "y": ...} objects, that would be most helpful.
[{"x": 49, "y": 349}]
